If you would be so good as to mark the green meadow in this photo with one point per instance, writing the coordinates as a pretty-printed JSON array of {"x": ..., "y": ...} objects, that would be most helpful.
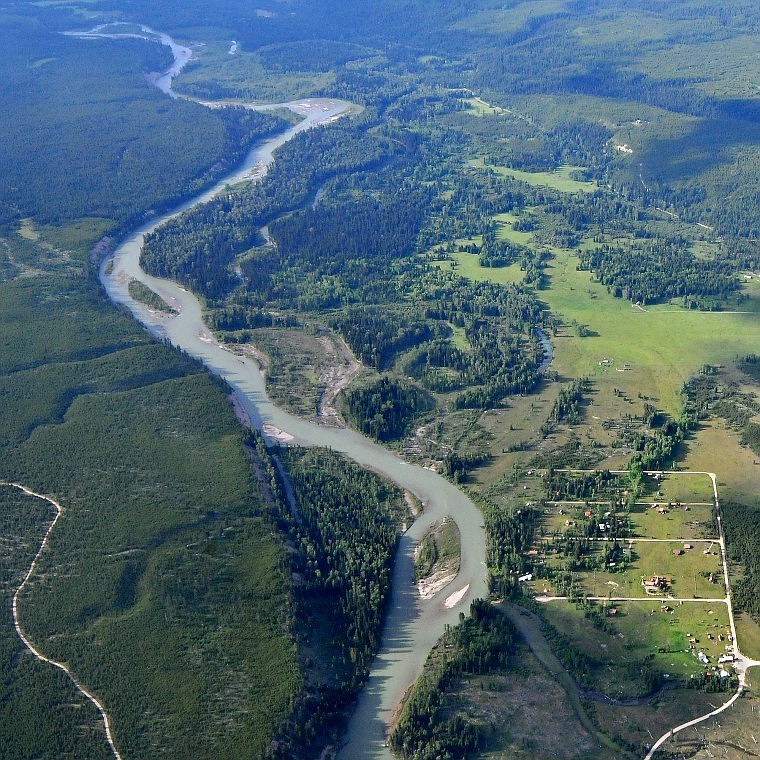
[
  {"x": 560, "y": 179},
  {"x": 664, "y": 345},
  {"x": 651, "y": 351},
  {"x": 468, "y": 265},
  {"x": 641, "y": 631},
  {"x": 479, "y": 107}
]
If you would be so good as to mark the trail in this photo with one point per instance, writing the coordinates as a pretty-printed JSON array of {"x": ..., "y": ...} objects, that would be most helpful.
[{"x": 19, "y": 630}]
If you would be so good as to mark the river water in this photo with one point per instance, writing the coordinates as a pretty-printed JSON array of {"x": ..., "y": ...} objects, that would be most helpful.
[{"x": 412, "y": 626}]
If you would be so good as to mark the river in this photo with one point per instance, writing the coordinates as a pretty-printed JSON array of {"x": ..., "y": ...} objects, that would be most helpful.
[{"x": 412, "y": 626}]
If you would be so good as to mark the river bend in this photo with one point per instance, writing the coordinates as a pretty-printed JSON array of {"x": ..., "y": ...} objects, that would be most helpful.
[{"x": 412, "y": 626}]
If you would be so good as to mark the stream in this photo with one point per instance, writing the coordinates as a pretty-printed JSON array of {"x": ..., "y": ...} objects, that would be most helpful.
[{"x": 412, "y": 627}]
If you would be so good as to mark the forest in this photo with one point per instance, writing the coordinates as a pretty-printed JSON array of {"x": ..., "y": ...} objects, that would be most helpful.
[
  {"x": 743, "y": 536},
  {"x": 659, "y": 272},
  {"x": 142, "y": 450},
  {"x": 151, "y": 156},
  {"x": 484, "y": 642},
  {"x": 343, "y": 525}
]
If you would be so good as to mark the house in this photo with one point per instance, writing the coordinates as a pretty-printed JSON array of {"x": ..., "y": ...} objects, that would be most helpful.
[
  {"x": 678, "y": 552},
  {"x": 525, "y": 578},
  {"x": 703, "y": 658},
  {"x": 655, "y": 584}
]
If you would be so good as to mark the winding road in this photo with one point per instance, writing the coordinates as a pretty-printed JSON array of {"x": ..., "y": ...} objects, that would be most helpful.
[{"x": 25, "y": 639}]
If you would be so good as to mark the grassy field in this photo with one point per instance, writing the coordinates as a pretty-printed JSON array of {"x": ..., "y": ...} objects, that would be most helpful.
[
  {"x": 479, "y": 107},
  {"x": 687, "y": 487},
  {"x": 716, "y": 446},
  {"x": 643, "y": 340},
  {"x": 685, "y": 572},
  {"x": 678, "y": 522},
  {"x": 468, "y": 265},
  {"x": 560, "y": 179},
  {"x": 638, "y": 634},
  {"x": 506, "y": 231},
  {"x": 639, "y": 345},
  {"x": 459, "y": 338}
]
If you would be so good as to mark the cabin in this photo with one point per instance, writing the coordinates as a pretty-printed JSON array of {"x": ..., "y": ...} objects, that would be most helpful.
[{"x": 655, "y": 583}]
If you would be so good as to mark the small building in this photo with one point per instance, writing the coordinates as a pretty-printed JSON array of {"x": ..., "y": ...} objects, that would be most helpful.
[
  {"x": 655, "y": 584},
  {"x": 678, "y": 552},
  {"x": 703, "y": 658}
]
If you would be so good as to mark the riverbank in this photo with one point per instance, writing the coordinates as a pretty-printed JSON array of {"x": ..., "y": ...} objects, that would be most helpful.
[{"x": 412, "y": 627}]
